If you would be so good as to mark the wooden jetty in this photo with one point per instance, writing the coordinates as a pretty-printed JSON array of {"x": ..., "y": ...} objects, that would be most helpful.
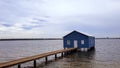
[{"x": 35, "y": 57}]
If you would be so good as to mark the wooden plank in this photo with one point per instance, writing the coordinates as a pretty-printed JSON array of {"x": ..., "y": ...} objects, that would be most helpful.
[{"x": 23, "y": 60}]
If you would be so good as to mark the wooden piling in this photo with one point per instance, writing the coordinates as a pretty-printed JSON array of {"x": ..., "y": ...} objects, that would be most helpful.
[
  {"x": 35, "y": 65},
  {"x": 46, "y": 60},
  {"x": 62, "y": 54},
  {"x": 55, "y": 56},
  {"x": 19, "y": 65}
]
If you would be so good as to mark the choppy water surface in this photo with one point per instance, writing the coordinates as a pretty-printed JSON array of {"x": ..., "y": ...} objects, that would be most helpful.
[{"x": 106, "y": 54}]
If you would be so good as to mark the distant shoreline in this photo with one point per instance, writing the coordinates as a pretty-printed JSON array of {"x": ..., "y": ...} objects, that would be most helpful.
[
  {"x": 107, "y": 38},
  {"x": 44, "y": 39},
  {"x": 31, "y": 39}
]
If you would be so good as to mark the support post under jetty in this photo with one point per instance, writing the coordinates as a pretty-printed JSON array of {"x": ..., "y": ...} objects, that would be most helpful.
[{"x": 36, "y": 57}]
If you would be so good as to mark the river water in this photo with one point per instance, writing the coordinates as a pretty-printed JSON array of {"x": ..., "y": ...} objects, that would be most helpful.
[{"x": 105, "y": 55}]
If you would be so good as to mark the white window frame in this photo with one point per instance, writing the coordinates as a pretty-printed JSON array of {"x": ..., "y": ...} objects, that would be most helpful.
[
  {"x": 68, "y": 42},
  {"x": 82, "y": 42}
]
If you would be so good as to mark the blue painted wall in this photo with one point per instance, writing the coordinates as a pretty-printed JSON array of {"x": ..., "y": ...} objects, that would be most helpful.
[
  {"x": 91, "y": 42},
  {"x": 88, "y": 40}
]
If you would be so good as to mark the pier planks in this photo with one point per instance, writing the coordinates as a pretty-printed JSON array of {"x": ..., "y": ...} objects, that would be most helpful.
[{"x": 33, "y": 58}]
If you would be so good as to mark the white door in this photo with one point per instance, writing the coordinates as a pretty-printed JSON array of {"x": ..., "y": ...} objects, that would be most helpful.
[{"x": 75, "y": 44}]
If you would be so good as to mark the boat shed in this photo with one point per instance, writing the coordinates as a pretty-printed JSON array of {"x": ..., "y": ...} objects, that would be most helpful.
[{"x": 78, "y": 40}]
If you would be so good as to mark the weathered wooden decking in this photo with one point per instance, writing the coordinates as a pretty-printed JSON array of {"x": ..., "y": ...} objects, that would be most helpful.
[{"x": 34, "y": 58}]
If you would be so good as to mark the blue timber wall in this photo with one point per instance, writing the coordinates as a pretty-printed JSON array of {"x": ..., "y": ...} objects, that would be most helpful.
[
  {"x": 88, "y": 40},
  {"x": 91, "y": 42}
]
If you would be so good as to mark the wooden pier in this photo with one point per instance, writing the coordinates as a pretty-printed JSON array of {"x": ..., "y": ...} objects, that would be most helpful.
[{"x": 35, "y": 57}]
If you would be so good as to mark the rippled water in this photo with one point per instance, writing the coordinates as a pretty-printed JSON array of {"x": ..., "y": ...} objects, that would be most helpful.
[
  {"x": 10, "y": 50},
  {"x": 105, "y": 55}
]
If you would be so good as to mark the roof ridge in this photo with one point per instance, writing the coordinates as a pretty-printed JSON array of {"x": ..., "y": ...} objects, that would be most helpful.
[{"x": 79, "y": 33}]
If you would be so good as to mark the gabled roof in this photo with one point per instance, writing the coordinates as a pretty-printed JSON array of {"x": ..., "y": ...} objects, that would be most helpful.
[{"x": 78, "y": 33}]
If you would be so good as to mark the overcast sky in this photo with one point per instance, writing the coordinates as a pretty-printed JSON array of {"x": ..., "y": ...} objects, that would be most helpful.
[{"x": 56, "y": 18}]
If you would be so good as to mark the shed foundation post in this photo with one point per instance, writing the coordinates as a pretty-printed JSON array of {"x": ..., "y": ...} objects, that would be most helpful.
[{"x": 86, "y": 49}]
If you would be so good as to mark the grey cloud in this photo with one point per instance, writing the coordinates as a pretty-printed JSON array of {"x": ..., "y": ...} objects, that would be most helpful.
[
  {"x": 40, "y": 20},
  {"x": 97, "y": 17},
  {"x": 6, "y": 25},
  {"x": 12, "y": 11}
]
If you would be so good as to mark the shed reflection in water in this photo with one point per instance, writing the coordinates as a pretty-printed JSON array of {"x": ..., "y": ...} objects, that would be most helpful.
[{"x": 85, "y": 56}]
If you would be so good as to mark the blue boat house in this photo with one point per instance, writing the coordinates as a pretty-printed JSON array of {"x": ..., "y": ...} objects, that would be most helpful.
[{"x": 78, "y": 40}]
